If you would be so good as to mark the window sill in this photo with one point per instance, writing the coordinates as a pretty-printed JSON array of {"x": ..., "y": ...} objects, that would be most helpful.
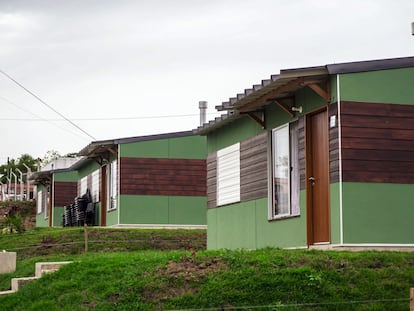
[
  {"x": 283, "y": 217},
  {"x": 111, "y": 210}
]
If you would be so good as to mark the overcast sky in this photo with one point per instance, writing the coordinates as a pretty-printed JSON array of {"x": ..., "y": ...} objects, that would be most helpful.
[{"x": 102, "y": 59}]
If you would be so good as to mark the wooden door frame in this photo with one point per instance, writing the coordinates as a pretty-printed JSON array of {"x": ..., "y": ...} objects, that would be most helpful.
[
  {"x": 103, "y": 195},
  {"x": 308, "y": 163}
]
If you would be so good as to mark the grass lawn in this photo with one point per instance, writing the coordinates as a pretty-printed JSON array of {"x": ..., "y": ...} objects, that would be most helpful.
[{"x": 268, "y": 279}]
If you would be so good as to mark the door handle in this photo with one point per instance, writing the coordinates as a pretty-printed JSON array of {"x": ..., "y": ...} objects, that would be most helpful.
[{"x": 312, "y": 180}]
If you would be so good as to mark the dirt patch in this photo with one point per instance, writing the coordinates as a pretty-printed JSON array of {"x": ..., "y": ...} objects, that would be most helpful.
[{"x": 180, "y": 278}]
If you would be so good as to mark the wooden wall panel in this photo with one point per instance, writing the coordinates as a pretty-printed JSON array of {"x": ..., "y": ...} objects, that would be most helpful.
[
  {"x": 253, "y": 168},
  {"x": 65, "y": 193},
  {"x": 211, "y": 180},
  {"x": 333, "y": 145},
  {"x": 163, "y": 176},
  {"x": 377, "y": 142}
]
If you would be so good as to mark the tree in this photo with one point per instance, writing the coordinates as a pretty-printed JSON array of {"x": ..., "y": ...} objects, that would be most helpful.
[
  {"x": 12, "y": 165},
  {"x": 50, "y": 156}
]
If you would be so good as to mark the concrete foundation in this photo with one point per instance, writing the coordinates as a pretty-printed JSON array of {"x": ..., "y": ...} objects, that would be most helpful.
[{"x": 7, "y": 262}]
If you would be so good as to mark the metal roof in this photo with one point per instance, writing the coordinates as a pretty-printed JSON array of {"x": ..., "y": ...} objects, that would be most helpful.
[{"x": 289, "y": 80}]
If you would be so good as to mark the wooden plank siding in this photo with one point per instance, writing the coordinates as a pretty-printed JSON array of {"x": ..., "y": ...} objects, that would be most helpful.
[
  {"x": 333, "y": 145},
  {"x": 65, "y": 193},
  {"x": 253, "y": 168},
  {"x": 377, "y": 142},
  {"x": 212, "y": 180},
  {"x": 155, "y": 176}
]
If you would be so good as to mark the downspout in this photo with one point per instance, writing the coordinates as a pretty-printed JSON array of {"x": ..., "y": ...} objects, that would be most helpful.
[
  {"x": 341, "y": 221},
  {"x": 118, "y": 180},
  {"x": 52, "y": 190}
]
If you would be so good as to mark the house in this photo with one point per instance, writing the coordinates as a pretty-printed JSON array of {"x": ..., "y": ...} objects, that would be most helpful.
[
  {"x": 315, "y": 157},
  {"x": 144, "y": 181},
  {"x": 56, "y": 186}
]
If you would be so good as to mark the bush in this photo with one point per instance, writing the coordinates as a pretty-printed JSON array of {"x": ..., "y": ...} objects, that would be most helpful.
[{"x": 13, "y": 224}]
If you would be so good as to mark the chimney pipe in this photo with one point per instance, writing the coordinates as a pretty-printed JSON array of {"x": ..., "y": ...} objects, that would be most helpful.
[{"x": 203, "y": 111}]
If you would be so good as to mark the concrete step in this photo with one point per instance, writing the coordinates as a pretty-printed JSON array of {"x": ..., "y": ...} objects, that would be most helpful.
[
  {"x": 17, "y": 283},
  {"x": 41, "y": 268},
  {"x": 7, "y": 292}
]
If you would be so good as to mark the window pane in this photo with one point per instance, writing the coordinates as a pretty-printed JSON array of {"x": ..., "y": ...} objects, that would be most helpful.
[
  {"x": 294, "y": 172},
  {"x": 281, "y": 171}
]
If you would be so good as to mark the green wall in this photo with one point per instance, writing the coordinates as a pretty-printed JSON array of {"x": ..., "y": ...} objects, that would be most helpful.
[
  {"x": 87, "y": 169},
  {"x": 178, "y": 210},
  {"x": 66, "y": 176},
  {"x": 240, "y": 129},
  {"x": 112, "y": 217},
  {"x": 383, "y": 86},
  {"x": 57, "y": 216},
  {"x": 245, "y": 225},
  {"x": 187, "y": 147},
  {"x": 378, "y": 213},
  {"x": 41, "y": 221},
  {"x": 335, "y": 214}
]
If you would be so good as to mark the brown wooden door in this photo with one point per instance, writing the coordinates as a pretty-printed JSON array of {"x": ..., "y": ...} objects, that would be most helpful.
[{"x": 318, "y": 178}]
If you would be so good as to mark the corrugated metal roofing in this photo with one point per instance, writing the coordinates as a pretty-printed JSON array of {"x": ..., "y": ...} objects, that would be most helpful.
[{"x": 288, "y": 81}]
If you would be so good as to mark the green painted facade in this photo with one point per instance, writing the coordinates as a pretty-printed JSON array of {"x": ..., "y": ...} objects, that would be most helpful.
[
  {"x": 164, "y": 210},
  {"x": 71, "y": 176},
  {"x": 384, "y": 86},
  {"x": 112, "y": 218},
  {"x": 372, "y": 213},
  {"x": 378, "y": 213},
  {"x": 171, "y": 210},
  {"x": 41, "y": 221},
  {"x": 188, "y": 147}
]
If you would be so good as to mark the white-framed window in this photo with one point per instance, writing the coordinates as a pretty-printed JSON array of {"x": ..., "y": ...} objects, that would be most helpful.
[
  {"x": 83, "y": 185},
  {"x": 284, "y": 201},
  {"x": 95, "y": 185},
  {"x": 228, "y": 175},
  {"x": 39, "y": 202},
  {"x": 46, "y": 202},
  {"x": 112, "y": 183}
]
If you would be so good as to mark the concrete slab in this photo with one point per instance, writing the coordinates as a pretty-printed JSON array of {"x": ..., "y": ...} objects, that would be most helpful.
[{"x": 7, "y": 262}]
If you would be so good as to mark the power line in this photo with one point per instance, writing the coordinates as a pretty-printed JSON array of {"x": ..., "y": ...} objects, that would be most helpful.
[
  {"x": 106, "y": 119},
  {"x": 38, "y": 118},
  {"x": 47, "y": 105}
]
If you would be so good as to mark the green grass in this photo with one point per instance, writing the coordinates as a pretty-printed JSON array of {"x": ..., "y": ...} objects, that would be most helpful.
[
  {"x": 184, "y": 279},
  {"x": 47, "y": 241}
]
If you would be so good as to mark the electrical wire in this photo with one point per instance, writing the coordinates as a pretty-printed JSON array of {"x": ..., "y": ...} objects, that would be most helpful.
[
  {"x": 105, "y": 119},
  {"x": 38, "y": 118},
  {"x": 47, "y": 105}
]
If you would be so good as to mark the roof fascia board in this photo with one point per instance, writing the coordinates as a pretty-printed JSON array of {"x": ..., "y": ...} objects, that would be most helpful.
[{"x": 371, "y": 65}]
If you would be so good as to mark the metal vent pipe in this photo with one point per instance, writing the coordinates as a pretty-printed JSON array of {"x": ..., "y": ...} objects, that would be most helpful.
[{"x": 203, "y": 111}]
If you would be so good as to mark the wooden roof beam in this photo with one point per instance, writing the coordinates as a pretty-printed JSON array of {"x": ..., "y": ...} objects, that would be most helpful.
[
  {"x": 324, "y": 93},
  {"x": 260, "y": 120},
  {"x": 284, "y": 106}
]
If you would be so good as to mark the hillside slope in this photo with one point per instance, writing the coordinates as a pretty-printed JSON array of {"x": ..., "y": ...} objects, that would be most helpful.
[{"x": 222, "y": 280}]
